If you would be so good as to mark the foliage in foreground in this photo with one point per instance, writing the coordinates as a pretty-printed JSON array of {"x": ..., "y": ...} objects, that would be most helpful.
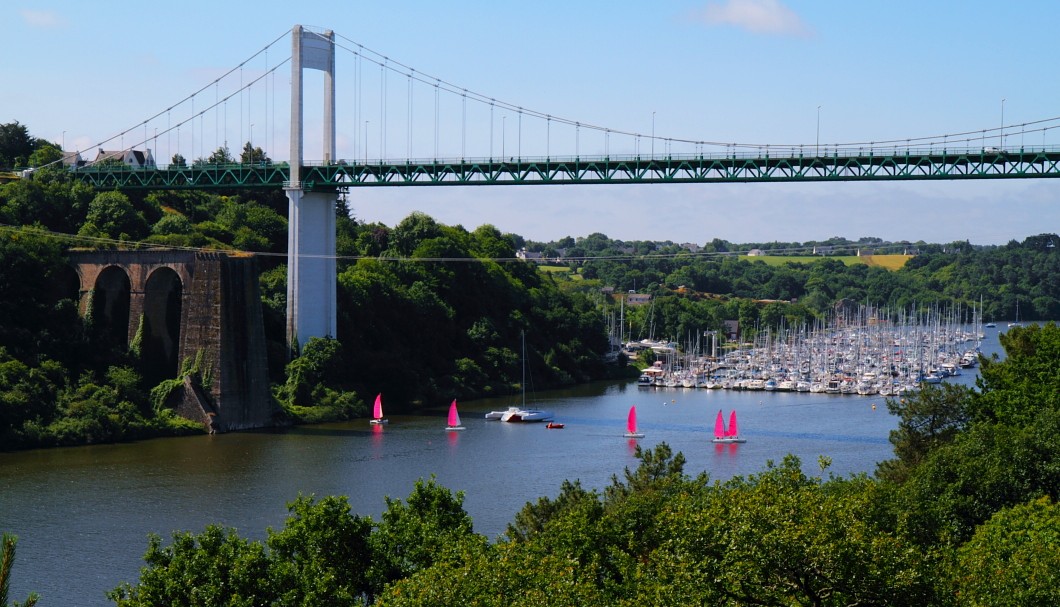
[{"x": 7, "y": 561}]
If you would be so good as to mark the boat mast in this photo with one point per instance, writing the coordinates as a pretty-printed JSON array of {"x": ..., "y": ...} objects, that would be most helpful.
[{"x": 522, "y": 334}]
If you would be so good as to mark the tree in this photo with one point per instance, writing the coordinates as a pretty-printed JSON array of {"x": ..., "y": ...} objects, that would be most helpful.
[
  {"x": 15, "y": 145},
  {"x": 782, "y": 538},
  {"x": 219, "y": 156},
  {"x": 253, "y": 155},
  {"x": 1012, "y": 560},
  {"x": 45, "y": 154},
  {"x": 419, "y": 532},
  {"x": 1016, "y": 389},
  {"x": 216, "y": 567},
  {"x": 178, "y": 161},
  {"x": 928, "y": 418},
  {"x": 322, "y": 555},
  {"x": 7, "y": 561},
  {"x": 111, "y": 215}
]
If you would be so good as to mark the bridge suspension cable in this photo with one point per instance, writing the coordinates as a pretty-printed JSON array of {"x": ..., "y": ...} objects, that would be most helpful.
[
  {"x": 190, "y": 99},
  {"x": 388, "y": 63}
]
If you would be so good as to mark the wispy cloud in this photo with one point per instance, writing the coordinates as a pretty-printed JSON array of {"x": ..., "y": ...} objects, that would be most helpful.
[
  {"x": 43, "y": 19},
  {"x": 756, "y": 16}
]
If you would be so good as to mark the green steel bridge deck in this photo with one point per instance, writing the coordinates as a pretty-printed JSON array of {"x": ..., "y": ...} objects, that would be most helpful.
[{"x": 788, "y": 166}]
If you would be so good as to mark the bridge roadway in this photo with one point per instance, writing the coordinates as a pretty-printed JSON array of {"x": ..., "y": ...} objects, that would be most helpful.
[{"x": 841, "y": 165}]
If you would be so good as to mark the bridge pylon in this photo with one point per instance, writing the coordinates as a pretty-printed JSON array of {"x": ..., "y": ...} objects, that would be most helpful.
[{"x": 311, "y": 275}]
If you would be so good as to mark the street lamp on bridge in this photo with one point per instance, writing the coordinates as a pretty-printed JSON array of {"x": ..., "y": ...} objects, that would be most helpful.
[
  {"x": 817, "y": 147},
  {"x": 1001, "y": 136}
]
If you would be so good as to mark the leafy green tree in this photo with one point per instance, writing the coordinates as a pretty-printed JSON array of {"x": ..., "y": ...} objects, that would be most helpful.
[
  {"x": 178, "y": 161},
  {"x": 112, "y": 215},
  {"x": 1016, "y": 389},
  {"x": 928, "y": 418},
  {"x": 252, "y": 155},
  {"x": 322, "y": 555},
  {"x": 216, "y": 567},
  {"x": 1012, "y": 560},
  {"x": 7, "y": 561},
  {"x": 15, "y": 145},
  {"x": 990, "y": 466},
  {"x": 45, "y": 154},
  {"x": 170, "y": 224},
  {"x": 782, "y": 538},
  {"x": 419, "y": 532}
]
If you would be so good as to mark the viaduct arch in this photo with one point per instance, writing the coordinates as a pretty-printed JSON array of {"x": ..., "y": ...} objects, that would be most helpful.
[{"x": 178, "y": 306}]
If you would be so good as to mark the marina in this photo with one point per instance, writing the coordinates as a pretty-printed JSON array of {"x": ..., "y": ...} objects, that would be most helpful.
[{"x": 867, "y": 353}]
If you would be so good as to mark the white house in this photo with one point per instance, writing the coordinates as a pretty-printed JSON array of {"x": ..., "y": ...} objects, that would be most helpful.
[{"x": 135, "y": 158}]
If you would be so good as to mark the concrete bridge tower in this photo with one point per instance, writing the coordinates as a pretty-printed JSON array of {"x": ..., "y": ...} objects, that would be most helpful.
[{"x": 311, "y": 277}]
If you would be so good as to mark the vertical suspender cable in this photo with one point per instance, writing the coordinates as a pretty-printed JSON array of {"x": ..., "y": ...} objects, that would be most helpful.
[
  {"x": 463, "y": 129},
  {"x": 266, "y": 125},
  {"x": 382, "y": 110},
  {"x": 491, "y": 130},
  {"x": 408, "y": 153},
  {"x": 437, "y": 82}
]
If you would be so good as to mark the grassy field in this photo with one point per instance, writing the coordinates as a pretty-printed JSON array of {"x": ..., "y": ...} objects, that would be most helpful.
[
  {"x": 558, "y": 270},
  {"x": 890, "y": 262}
]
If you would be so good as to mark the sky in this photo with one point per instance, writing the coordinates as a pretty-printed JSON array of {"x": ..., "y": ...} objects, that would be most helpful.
[{"x": 778, "y": 72}]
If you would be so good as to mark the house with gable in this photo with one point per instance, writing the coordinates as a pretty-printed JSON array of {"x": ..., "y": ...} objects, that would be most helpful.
[{"x": 137, "y": 159}]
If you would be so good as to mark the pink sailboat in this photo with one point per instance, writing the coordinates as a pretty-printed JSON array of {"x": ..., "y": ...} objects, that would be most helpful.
[
  {"x": 727, "y": 435},
  {"x": 454, "y": 418},
  {"x": 377, "y": 411},
  {"x": 631, "y": 424}
]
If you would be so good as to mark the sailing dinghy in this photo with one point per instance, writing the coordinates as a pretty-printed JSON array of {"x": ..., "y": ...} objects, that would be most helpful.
[
  {"x": 377, "y": 411},
  {"x": 631, "y": 424},
  {"x": 726, "y": 435},
  {"x": 454, "y": 418}
]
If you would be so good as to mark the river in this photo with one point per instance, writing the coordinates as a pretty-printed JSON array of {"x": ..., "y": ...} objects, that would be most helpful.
[{"x": 83, "y": 514}]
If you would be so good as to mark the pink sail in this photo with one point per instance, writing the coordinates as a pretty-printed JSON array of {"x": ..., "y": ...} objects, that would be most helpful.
[
  {"x": 454, "y": 417},
  {"x": 733, "y": 429},
  {"x": 719, "y": 426},
  {"x": 631, "y": 421},
  {"x": 377, "y": 409}
]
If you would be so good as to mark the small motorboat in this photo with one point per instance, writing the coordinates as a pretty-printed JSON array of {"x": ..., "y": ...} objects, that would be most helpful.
[{"x": 554, "y": 426}]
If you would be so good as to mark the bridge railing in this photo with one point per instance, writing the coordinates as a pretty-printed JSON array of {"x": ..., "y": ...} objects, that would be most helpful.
[{"x": 822, "y": 151}]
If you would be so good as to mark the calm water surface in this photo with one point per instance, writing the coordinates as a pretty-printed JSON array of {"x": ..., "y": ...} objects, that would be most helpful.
[{"x": 83, "y": 514}]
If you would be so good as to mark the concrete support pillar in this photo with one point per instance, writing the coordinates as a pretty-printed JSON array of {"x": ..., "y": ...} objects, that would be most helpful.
[{"x": 311, "y": 274}]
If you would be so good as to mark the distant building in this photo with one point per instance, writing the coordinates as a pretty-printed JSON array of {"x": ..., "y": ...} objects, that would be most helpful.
[
  {"x": 691, "y": 246},
  {"x": 638, "y": 299},
  {"x": 755, "y": 253},
  {"x": 731, "y": 329},
  {"x": 135, "y": 158},
  {"x": 73, "y": 160},
  {"x": 527, "y": 255}
]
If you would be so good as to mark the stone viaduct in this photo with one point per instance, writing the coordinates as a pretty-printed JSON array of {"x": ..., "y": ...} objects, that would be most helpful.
[{"x": 185, "y": 308}]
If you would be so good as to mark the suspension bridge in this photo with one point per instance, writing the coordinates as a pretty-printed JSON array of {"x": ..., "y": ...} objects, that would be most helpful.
[{"x": 421, "y": 127}]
